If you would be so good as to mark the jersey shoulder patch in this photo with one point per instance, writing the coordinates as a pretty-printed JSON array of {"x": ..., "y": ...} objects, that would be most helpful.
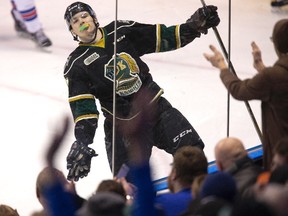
[{"x": 77, "y": 54}]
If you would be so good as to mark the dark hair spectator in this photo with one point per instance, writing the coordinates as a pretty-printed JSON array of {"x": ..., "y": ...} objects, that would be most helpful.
[
  {"x": 188, "y": 163},
  {"x": 110, "y": 185},
  {"x": 220, "y": 185},
  {"x": 103, "y": 204},
  {"x": 6, "y": 210}
]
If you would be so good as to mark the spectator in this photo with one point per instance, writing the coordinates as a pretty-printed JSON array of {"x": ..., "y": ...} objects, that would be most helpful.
[
  {"x": 279, "y": 175},
  {"x": 220, "y": 185},
  {"x": 103, "y": 204},
  {"x": 217, "y": 194},
  {"x": 6, "y": 210},
  {"x": 278, "y": 172},
  {"x": 188, "y": 163},
  {"x": 270, "y": 86},
  {"x": 251, "y": 207},
  {"x": 232, "y": 157},
  {"x": 275, "y": 196},
  {"x": 129, "y": 188},
  {"x": 197, "y": 185},
  {"x": 209, "y": 206},
  {"x": 43, "y": 179},
  {"x": 280, "y": 153},
  {"x": 110, "y": 185},
  {"x": 53, "y": 188}
]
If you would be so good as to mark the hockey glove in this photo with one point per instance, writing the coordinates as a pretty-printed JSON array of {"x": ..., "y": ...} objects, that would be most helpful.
[
  {"x": 79, "y": 161},
  {"x": 204, "y": 18}
]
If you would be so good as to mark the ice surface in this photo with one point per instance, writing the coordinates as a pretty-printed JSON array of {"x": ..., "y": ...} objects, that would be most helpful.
[{"x": 34, "y": 94}]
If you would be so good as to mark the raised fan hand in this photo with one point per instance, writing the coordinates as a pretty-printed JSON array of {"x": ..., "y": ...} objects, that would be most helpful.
[{"x": 257, "y": 57}]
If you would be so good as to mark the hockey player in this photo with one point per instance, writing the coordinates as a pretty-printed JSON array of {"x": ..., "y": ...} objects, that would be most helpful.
[
  {"x": 279, "y": 3},
  {"x": 89, "y": 73},
  {"x": 27, "y": 23}
]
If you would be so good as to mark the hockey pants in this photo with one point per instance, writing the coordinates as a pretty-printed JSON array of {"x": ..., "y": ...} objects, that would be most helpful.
[{"x": 170, "y": 131}]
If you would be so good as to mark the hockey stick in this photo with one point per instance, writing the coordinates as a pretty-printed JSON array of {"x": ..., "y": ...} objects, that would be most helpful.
[{"x": 233, "y": 71}]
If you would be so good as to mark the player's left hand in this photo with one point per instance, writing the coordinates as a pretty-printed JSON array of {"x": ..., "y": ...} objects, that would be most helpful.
[
  {"x": 205, "y": 18},
  {"x": 212, "y": 19}
]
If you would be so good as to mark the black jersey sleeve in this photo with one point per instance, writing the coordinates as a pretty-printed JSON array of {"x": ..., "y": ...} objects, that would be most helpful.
[
  {"x": 82, "y": 103},
  {"x": 149, "y": 38}
]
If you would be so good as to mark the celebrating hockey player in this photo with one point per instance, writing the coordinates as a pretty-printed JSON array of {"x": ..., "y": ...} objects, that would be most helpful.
[{"x": 89, "y": 72}]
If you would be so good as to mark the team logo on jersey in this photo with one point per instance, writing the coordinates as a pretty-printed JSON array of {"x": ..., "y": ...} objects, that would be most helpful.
[
  {"x": 127, "y": 74},
  {"x": 91, "y": 58}
]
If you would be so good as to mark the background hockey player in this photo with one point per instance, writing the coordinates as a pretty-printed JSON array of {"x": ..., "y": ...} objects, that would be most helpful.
[
  {"x": 27, "y": 23},
  {"x": 89, "y": 72},
  {"x": 279, "y": 3}
]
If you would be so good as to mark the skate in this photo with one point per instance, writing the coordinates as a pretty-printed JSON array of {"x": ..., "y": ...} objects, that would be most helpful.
[
  {"x": 41, "y": 39},
  {"x": 279, "y": 3},
  {"x": 19, "y": 26},
  {"x": 38, "y": 37}
]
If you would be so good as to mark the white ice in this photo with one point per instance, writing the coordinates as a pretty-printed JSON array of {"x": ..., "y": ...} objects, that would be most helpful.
[{"x": 34, "y": 94}]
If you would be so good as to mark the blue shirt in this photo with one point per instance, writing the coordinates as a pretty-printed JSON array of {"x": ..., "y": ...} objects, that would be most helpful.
[{"x": 174, "y": 203}]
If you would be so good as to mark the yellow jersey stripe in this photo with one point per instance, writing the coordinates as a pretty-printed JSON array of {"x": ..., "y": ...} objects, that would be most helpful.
[
  {"x": 177, "y": 36},
  {"x": 89, "y": 116},
  {"x": 81, "y": 97},
  {"x": 158, "y": 38}
]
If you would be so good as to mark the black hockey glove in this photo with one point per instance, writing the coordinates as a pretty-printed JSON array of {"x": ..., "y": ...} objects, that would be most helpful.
[
  {"x": 204, "y": 18},
  {"x": 79, "y": 161}
]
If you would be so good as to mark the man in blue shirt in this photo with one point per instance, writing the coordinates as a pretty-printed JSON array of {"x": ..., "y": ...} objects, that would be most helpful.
[{"x": 188, "y": 162}]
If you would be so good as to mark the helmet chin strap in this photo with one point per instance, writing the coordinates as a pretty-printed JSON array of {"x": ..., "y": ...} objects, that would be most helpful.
[
  {"x": 75, "y": 37},
  {"x": 95, "y": 33}
]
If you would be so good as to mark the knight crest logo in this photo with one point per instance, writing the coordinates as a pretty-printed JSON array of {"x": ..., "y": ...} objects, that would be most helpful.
[{"x": 127, "y": 74}]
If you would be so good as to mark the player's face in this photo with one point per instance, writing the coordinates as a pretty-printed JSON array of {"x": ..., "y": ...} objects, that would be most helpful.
[{"x": 83, "y": 26}]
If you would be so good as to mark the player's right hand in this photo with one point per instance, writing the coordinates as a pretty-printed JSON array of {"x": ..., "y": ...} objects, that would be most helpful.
[{"x": 79, "y": 161}]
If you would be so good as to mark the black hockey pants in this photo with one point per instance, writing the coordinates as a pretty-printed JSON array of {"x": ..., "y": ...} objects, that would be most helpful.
[{"x": 170, "y": 131}]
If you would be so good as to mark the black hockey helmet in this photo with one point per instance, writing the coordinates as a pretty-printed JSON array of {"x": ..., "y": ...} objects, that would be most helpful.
[{"x": 75, "y": 8}]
